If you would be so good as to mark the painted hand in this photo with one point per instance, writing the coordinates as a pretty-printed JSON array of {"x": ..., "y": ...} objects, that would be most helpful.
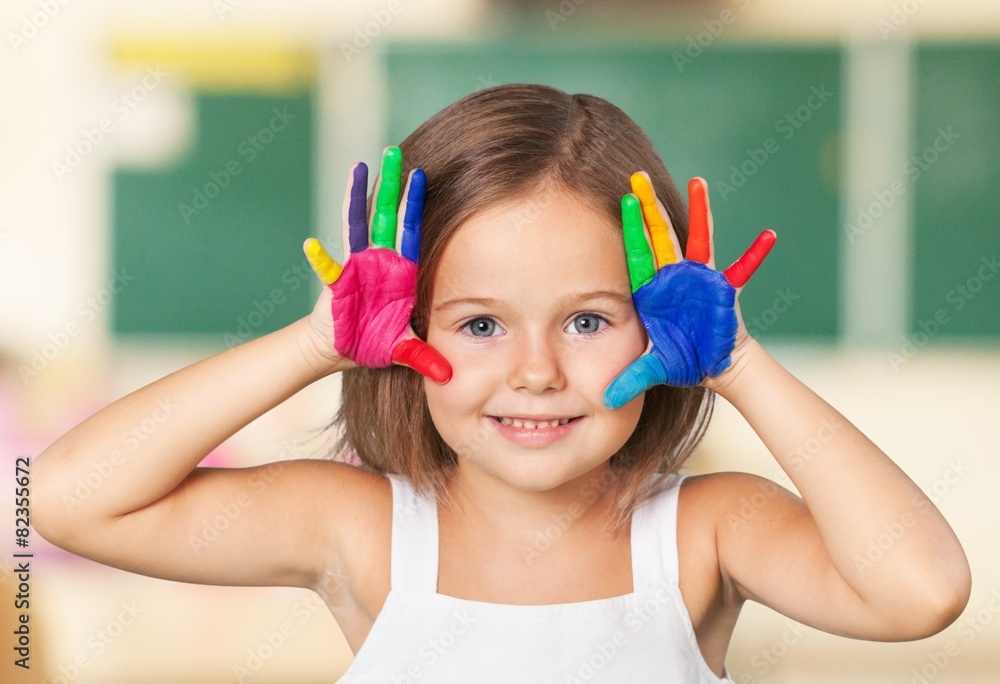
[
  {"x": 688, "y": 308},
  {"x": 374, "y": 292}
]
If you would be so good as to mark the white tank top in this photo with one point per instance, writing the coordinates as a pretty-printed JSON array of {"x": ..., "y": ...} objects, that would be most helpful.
[{"x": 422, "y": 637}]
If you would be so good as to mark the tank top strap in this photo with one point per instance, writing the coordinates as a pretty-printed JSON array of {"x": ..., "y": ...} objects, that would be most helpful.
[
  {"x": 654, "y": 535},
  {"x": 414, "y": 562}
]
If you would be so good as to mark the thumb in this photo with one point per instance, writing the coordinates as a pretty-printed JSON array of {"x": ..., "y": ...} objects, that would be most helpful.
[
  {"x": 639, "y": 376},
  {"x": 423, "y": 358}
]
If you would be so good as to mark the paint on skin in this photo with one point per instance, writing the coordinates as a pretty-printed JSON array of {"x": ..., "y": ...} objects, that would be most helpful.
[
  {"x": 375, "y": 291},
  {"x": 687, "y": 308}
]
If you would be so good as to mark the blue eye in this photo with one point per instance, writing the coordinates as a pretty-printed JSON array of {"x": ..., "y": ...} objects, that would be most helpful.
[
  {"x": 482, "y": 327},
  {"x": 588, "y": 323}
]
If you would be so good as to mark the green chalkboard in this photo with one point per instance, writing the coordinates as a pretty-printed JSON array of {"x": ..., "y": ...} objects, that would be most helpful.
[
  {"x": 212, "y": 245},
  {"x": 761, "y": 124},
  {"x": 955, "y": 172}
]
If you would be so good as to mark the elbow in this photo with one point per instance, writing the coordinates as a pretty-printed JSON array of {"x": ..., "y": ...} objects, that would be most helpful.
[
  {"x": 47, "y": 520},
  {"x": 53, "y": 504},
  {"x": 937, "y": 604},
  {"x": 952, "y": 599},
  {"x": 939, "y": 612}
]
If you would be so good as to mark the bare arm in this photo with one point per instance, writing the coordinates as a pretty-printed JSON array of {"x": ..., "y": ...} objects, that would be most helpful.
[
  {"x": 143, "y": 506},
  {"x": 151, "y": 511},
  {"x": 811, "y": 559},
  {"x": 807, "y": 559}
]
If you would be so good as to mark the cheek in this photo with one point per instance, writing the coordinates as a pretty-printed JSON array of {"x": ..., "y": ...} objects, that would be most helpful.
[
  {"x": 605, "y": 366},
  {"x": 442, "y": 400},
  {"x": 464, "y": 393},
  {"x": 638, "y": 338},
  {"x": 455, "y": 409},
  {"x": 605, "y": 362},
  {"x": 441, "y": 410}
]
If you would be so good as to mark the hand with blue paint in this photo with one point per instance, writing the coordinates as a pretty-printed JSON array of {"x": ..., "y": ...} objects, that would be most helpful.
[{"x": 688, "y": 308}]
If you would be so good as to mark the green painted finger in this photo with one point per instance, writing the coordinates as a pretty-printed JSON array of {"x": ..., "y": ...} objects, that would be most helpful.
[
  {"x": 641, "y": 266},
  {"x": 387, "y": 200}
]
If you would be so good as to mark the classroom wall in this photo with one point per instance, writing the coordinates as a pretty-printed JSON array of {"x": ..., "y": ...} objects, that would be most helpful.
[{"x": 932, "y": 412}]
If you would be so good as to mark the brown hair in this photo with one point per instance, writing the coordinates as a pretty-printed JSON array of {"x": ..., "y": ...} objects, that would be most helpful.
[{"x": 497, "y": 145}]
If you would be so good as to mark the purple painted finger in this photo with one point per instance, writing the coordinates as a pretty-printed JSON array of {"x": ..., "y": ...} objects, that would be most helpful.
[{"x": 357, "y": 220}]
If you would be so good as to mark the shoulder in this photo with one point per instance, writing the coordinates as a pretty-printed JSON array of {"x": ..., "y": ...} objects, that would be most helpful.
[
  {"x": 740, "y": 520},
  {"x": 732, "y": 503},
  {"x": 723, "y": 514},
  {"x": 330, "y": 485},
  {"x": 726, "y": 494},
  {"x": 335, "y": 508},
  {"x": 350, "y": 501},
  {"x": 353, "y": 508},
  {"x": 709, "y": 508}
]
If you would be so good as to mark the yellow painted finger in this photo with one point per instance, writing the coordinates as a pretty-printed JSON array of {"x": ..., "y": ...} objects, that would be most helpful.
[
  {"x": 326, "y": 268},
  {"x": 659, "y": 229}
]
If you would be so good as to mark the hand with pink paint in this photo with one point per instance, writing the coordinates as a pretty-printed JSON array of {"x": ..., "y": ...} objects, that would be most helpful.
[{"x": 372, "y": 295}]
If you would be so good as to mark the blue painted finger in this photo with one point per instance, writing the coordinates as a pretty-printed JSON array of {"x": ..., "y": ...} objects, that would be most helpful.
[
  {"x": 410, "y": 246},
  {"x": 357, "y": 210},
  {"x": 641, "y": 374}
]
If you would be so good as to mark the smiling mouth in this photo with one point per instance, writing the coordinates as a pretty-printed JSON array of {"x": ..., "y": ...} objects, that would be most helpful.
[{"x": 528, "y": 424}]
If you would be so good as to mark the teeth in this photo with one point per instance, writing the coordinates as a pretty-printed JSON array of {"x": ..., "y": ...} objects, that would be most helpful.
[{"x": 532, "y": 424}]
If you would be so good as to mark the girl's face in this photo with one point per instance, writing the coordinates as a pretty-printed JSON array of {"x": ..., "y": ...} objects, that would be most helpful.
[{"x": 532, "y": 307}]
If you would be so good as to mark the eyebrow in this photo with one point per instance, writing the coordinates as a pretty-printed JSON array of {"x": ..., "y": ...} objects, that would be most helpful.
[{"x": 568, "y": 299}]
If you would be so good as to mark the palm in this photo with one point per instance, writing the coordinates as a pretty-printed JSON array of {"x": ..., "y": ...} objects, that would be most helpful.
[
  {"x": 372, "y": 303},
  {"x": 688, "y": 312}
]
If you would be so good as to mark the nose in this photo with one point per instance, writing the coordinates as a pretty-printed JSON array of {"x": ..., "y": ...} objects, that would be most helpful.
[{"x": 536, "y": 365}]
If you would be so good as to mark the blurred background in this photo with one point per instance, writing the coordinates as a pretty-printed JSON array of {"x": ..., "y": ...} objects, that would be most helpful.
[{"x": 163, "y": 162}]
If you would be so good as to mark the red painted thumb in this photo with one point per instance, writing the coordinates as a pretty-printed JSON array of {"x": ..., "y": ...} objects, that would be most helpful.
[{"x": 422, "y": 358}]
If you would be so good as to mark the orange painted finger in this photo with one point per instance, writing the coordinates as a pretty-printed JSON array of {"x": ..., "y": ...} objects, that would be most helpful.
[
  {"x": 658, "y": 227},
  {"x": 743, "y": 268},
  {"x": 699, "y": 244}
]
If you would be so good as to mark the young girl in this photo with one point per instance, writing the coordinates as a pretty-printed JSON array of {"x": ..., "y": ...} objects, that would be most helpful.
[{"x": 519, "y": 515}]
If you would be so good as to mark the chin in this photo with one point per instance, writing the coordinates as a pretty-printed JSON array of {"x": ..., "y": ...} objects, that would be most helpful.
[{"x": 536, "y": 473}]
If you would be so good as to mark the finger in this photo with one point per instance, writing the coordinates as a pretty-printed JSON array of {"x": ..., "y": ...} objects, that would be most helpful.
[
  {"x": 422, "y": 358},
  {"x": 641, "y": 267},
  {"x": 642, "y": 374},
  {"x": 387, "y": 199},
  {"x": 699, "y": 243},
  {"x": 355, "y": 208},
  {"x": 326, "y": 268},
  {"x": 659, "y": 228},
  {"x": 743, "y": 268},
  {"x": 409, "y": 243}
]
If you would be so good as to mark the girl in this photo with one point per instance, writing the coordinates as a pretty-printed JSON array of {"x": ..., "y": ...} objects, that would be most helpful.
[{"x": 519, "y": 515}]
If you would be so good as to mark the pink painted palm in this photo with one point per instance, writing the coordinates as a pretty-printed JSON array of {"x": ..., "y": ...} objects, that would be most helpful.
[{"x": 374, "y": 291}]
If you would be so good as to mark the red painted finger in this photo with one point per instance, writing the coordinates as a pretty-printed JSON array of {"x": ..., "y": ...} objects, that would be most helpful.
[
  {"x": 743, "y": 268},
  {"x": 422, "y": 358},
  {"x": 699, "y": 242}
]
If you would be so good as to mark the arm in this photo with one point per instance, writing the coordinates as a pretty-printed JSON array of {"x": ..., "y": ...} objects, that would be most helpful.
[
  {"x": 811, "y": 559},
  {"x": 149, "y": 510}
]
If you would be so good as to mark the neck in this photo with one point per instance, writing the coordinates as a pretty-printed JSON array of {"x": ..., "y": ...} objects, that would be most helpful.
[{"x": 533, "y": 518}]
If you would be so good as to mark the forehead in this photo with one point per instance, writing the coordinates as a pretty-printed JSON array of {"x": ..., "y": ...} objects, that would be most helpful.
[{"x": 532, "y": 248}]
